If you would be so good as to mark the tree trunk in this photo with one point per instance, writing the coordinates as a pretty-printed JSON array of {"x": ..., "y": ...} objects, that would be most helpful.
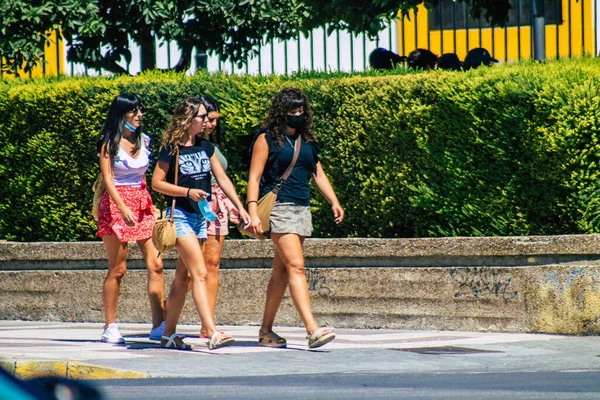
[
  {"x": 186, "y": 58},
  {"x": 147, "y": 51}
]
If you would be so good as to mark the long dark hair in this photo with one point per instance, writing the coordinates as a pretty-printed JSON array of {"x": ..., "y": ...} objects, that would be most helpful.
[
  {"x": 112, "y": 131},
  {"x": 285, "y": 101},
  {"x": 212, "y": 105}
]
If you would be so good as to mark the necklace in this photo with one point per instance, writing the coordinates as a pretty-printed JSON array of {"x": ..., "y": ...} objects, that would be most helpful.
[{"x": 293, "y": 144}]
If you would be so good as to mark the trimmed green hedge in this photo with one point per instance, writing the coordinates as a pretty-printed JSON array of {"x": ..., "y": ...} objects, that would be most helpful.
[{"x": 507, "y": 150}]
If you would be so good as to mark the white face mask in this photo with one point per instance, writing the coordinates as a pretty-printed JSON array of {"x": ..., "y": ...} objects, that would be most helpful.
[{"x": 130, "y": 127}]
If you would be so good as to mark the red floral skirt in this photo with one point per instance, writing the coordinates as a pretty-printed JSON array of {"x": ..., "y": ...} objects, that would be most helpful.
[{"x": 110, "y": 220}]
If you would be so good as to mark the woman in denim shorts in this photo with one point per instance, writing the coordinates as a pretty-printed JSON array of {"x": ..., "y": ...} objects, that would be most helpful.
[
  {"x": 196, "y": 160},
  {"x": 220, "y": 204},
  {"x": 290, "y": 117}
]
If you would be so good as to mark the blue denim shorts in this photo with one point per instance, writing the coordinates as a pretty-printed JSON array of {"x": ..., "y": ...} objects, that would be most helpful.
[{"x": 186, "y": 223}]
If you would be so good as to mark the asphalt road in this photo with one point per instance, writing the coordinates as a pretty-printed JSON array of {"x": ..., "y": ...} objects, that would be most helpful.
[{"x": 509, "y": 385}]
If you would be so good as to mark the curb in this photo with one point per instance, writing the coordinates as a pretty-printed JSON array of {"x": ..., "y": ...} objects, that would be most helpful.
[{"x": 66, "y": 369}]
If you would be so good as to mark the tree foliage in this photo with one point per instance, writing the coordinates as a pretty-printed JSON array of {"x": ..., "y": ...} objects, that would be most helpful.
[{"x": 98, "y": 31}]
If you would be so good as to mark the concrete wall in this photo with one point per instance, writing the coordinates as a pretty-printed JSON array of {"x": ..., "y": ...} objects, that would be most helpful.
[{"x": 515, "y": 284}]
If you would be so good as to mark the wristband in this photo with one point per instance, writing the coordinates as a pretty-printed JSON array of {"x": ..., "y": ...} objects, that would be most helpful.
[
  {"x": 251, "y": 201},
  {"x": 188, "y": 193}
]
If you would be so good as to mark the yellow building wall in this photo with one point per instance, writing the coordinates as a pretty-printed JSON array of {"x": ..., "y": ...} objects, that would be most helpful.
[
  {"x": 53, "y": 55},
  {"x": 508, "y": 44}
]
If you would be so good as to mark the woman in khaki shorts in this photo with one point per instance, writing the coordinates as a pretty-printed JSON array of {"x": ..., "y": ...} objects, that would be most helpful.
[{"x": 290, "y": 116}]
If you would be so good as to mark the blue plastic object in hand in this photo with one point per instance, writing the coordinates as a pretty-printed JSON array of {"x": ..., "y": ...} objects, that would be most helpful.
[{"x": 206, "y": 210}]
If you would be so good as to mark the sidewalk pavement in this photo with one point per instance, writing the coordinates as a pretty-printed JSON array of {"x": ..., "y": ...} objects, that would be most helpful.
[{"x": 74, "y": 350}]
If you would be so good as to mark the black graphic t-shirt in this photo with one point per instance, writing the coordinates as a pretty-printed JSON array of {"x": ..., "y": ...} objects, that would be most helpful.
[{"x": 194, "y": 171}]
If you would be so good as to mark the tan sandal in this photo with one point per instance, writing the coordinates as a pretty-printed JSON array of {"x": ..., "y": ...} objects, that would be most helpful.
[
  {"x": 320, "y": 337},
  {"x": 226, "y": 340},
  {"x": 271, "y": 339}
]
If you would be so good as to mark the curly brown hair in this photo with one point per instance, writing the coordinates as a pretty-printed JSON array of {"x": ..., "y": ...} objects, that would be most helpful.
[
  {"x": 184, "y": 114},
  {"x": 285, "y": 101}
]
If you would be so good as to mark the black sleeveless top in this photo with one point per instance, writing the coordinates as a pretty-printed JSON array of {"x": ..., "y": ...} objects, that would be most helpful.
[{"x": 297, "y": 187}]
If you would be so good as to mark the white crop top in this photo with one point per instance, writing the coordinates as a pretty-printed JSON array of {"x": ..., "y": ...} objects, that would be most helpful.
[{"x": 131, "y": 171}]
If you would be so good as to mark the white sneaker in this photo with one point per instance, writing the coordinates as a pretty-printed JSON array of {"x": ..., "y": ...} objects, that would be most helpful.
[
  {"x": 112, "y": 335},
  {"x": 157, "y": 333}
]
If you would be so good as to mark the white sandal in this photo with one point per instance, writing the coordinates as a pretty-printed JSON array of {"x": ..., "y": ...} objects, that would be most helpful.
[
  {"x": 214, "y": 344},
  {"x": 172, "y": 342}
]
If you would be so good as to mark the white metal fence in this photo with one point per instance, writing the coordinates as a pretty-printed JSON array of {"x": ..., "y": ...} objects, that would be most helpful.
[{"x": 317, "y": 52}]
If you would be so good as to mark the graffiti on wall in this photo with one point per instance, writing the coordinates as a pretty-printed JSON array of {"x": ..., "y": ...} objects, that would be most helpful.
[
  {"x": 317, "y": 282},
  {"x": 483, "y": 283},
  {"x": 562, "y": 283}
]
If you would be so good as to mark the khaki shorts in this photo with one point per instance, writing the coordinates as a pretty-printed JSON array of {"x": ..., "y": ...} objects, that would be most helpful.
[{"x": 291, "y": 218}]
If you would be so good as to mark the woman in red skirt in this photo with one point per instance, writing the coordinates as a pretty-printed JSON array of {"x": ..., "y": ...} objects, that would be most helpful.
[{"x": 126, "y": 212}]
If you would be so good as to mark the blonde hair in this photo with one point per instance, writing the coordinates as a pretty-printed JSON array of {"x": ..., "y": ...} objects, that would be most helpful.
[{"x": 184, "y": 114}]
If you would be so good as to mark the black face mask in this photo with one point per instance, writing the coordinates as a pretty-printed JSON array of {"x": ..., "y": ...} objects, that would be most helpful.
[{"x": 296, "y": 121}]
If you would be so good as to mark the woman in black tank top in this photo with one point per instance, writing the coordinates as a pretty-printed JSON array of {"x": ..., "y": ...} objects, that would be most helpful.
[{"x": 289, "y": 117}]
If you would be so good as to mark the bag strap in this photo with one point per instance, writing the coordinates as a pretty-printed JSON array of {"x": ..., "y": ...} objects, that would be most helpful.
[
  {"x": 175, "y": 182},
  {"x": 289, "y": 169}
]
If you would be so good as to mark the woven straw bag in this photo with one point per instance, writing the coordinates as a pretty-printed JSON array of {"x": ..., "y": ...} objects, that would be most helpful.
[
  {"x": 265, "y": 204},
  {"x": 98, "y": 189},
  {"x": 263, "y": 209},
  {"x": 164, "y": 234}
]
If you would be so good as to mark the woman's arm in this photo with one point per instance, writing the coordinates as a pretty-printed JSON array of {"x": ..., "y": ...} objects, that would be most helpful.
[
  {"x": 109, "y": 183},
  {"x": 326, "y": 189},
  {"x": 260, "y": 154},
  {"x": 228, "y": 188}
]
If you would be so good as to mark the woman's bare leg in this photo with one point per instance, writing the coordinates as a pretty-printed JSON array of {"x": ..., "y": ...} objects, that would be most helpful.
[
  {"x": 190, "y": 252},
  {"x": 213, "y": 246},
  {"x": 156, "y": 280},
  {"x": 177, "y": 295},
  {"x": 116, "y": 253},
  {"x": 275, "y": 292},
  {"x": 289, "y": 248}
]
